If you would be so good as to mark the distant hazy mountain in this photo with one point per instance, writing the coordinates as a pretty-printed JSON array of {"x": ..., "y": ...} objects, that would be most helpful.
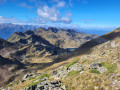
[
  {"x": 6, "y": 30},
  {"x": 98, "y": 31}
]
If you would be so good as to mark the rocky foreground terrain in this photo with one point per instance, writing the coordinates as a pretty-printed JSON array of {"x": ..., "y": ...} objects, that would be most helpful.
[{"x": 95, "y": 65}]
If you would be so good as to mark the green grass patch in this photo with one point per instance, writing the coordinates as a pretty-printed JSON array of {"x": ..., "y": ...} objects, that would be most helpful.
[
  {"x": 34, "y": 83},
  {"x": 77, "y": 59},
  {"x": 84, "y": 61},
  {"x": 32, "y": 78},
  {"x": 44, "y": 75},
  {"x": 73, "y": 73},
  {"x": 94, "y": 71},
  {"x": 72, "y": 63},
  {"x": 111, "y": 68}
]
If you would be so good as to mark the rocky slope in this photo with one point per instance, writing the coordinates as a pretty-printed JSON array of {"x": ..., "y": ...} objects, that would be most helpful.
[{"x": 93, "y": 66}]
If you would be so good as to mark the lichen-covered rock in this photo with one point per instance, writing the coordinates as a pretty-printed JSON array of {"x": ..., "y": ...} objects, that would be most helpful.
[
  {"x": 63, "y": 71},
  {"x": 76, "y": 67},
  {"x": 28, "y": 76},
  {"x": 102, "y": 69},
  {"x": 98, "y": 66}
]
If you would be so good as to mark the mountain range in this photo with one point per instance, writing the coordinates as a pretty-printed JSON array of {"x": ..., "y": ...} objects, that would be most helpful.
[
  {"x": 32, "y": 48},
  {"x": 40, "y": 60},
  {"x": 58, "y": 36}
]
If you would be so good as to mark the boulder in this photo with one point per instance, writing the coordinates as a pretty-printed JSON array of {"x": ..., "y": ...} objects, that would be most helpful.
[
  {"x": 50, "y": 85},
  {"x": 95, "y": 66},
  {"x": 64, "y": 71},
  {"x": 76, "y": 67}
]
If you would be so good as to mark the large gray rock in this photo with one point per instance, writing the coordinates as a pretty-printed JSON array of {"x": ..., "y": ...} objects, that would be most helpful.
[
  {"x": 28, "y": 76},
  {"x": 50, "y": 85},
  {"x": 63, "y": 71},
  {"x": 76, "y": 67},
  {"x": 102, "y": 69},
  {"x": 95, "y": 65}
]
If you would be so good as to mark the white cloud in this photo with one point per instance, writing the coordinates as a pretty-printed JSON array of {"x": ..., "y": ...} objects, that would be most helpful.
[
  {"x": 10, "y": 20},
  {"x": 0, "y": 17},
  {"x": 66, "y": 19},
  {"x": 60, "y": 4},
  {"x": 47, "y": 14},
  {"x": 44, "y": 12}
]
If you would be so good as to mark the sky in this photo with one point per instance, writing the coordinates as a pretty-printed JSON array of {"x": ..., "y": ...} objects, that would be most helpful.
[{"x": 76, "y": 13}]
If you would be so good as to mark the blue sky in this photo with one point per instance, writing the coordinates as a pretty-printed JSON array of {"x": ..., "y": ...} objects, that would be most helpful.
[{"x": 82, "y": 13}]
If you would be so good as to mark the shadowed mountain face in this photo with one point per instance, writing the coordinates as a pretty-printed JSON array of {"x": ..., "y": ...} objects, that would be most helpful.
[
  {"x": 8, "y": 69},
  {"x": 4, "y": 43},
  {"x": 6, "y": 47},
  {"x": 64, "y": 38}
]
